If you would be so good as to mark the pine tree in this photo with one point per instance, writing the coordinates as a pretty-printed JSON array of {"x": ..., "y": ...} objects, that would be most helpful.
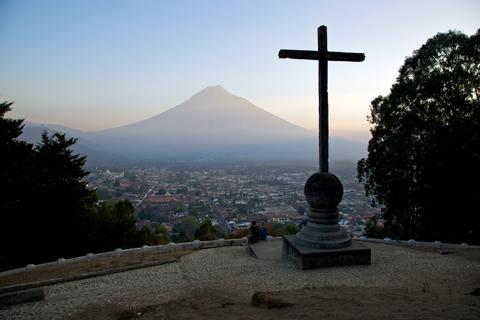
[{"x": 46, "y": 207}]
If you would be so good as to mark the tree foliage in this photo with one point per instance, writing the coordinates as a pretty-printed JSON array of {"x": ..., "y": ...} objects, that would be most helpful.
[
  {"x": 423, "y": 160},
  {"x": 374, "y": 229},
  {"x": 46, "y": 207},
  {"x": 115, "y": 227},
  {"x": 188, "y": 229},
  {"x": 276, "y": 229},
  {"x": 161, "y": 234},
  {"x": 206, "y": 231},
  {"x": 185, "y": 230},
  {"x": 291, "y": 228}
]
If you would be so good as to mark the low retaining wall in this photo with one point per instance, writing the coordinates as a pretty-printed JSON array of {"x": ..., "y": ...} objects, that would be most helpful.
[
  {"x": 414, "y": 243},
  {"x": 171, "y": 247},
  {"x": 198, "y": 245}
]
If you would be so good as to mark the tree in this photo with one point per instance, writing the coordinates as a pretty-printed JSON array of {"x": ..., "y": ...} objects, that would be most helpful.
[
  {"x": 374, "y": 229},
  {"x": 46, "y": 207},
  {"x": 276, "y": 229},
  {"x": 291, "y": 228},
  {"x": 185, "y": 230},
  {"x": 206, "y": 231},
  {"x": 161, "y": 234},
  {"x": 61, "y": 194},
  {"x": 115, "y": 222},
  {"x": 423, "y": 161},
  {"x": 146, "y": 213},
  {"x": 15, "y": 167},
  {"x": 43, "y": 195}
]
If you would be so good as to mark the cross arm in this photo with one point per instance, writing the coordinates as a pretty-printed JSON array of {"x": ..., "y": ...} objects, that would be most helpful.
[{"x": 314, "y": 55}]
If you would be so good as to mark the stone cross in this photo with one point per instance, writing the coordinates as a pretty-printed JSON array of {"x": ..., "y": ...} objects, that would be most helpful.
[
  {"x": 322, "y": 242},
  {"x": 322, "y": 56}
]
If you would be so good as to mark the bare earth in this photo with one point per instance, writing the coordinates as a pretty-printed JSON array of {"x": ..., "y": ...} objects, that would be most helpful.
[{"x": 401, "y": 283}]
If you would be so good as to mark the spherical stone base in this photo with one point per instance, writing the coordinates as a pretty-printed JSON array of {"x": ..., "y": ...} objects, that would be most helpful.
[{"x": 323, "y": 190}]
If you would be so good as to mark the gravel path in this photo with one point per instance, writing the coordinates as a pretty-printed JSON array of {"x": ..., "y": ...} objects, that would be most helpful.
[{"x": 232, "y": 268}]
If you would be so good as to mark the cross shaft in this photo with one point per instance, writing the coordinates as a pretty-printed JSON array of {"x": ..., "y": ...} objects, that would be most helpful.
[{"x": 322, "y": 56}]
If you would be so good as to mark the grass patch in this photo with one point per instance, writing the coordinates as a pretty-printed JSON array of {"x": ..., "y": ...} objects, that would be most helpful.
[{"x": 81, "y": 267}]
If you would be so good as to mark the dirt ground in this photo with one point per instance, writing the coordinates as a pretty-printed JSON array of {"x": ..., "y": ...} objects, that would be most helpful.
[
  {"x": 444, "y": 296},
  {"x": 305, "y": 304}
]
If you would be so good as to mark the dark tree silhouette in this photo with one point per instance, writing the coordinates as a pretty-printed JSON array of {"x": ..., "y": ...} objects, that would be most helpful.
[
  {"x": 46, "y": 208},
  {"x": 185, "y": 230},
  {"x": 423, "y": 159},
  {"x": 206, "y": 231}
]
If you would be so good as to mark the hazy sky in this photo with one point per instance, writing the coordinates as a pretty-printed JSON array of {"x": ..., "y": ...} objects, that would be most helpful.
[{"x": 98, "y": 64}]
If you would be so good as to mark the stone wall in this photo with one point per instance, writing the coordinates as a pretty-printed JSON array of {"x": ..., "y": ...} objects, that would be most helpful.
[
  {"x": 414, "y": 243},
  {"x": 198, "y": 245},
  {"x": 171, "y": 247}
]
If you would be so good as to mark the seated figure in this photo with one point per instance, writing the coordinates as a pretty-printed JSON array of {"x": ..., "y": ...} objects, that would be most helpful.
[{"x": 255, "y": 232}]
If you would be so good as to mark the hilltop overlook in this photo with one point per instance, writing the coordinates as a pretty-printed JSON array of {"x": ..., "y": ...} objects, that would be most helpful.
[{"x": 234, "y": 160}]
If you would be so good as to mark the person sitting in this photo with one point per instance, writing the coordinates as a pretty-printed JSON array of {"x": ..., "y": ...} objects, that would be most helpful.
[
  {"x": 255, "y": 232},
  {"x": 263, "y": 232},
  {"x": 303, "y": 223}
]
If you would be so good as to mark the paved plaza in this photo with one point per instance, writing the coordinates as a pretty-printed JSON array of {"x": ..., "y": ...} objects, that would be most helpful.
[{"x": 236, "y": 270}]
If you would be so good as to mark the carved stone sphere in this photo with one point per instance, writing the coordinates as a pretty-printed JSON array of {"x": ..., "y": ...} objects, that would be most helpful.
[{"x": 323, "y": 190}]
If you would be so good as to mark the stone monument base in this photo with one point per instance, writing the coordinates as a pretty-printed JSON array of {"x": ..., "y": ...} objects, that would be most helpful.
[{"x": 308, "y": 258}]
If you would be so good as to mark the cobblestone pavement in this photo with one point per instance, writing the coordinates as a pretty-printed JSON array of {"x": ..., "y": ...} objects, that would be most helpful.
[{"x": 233, "y": 268}]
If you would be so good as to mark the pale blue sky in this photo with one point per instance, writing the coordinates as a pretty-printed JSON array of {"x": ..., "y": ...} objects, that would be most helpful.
[{"x": 98, "y": 64}]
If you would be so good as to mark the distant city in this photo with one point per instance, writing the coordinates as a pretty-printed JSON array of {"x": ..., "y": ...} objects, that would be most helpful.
[{"x": 231, "y": 196}]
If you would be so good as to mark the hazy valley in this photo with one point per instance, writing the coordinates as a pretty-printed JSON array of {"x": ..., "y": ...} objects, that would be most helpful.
[{"x": 211, "y": 125}]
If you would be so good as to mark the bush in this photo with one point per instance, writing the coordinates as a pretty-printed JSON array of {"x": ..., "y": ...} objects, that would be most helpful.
[{"x": 292, "y": 228}]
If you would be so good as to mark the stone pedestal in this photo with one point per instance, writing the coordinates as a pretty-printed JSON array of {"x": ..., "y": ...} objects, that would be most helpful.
[
  {"x": 323, "y": 242},
  {"x": 307, "y": 258}
]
